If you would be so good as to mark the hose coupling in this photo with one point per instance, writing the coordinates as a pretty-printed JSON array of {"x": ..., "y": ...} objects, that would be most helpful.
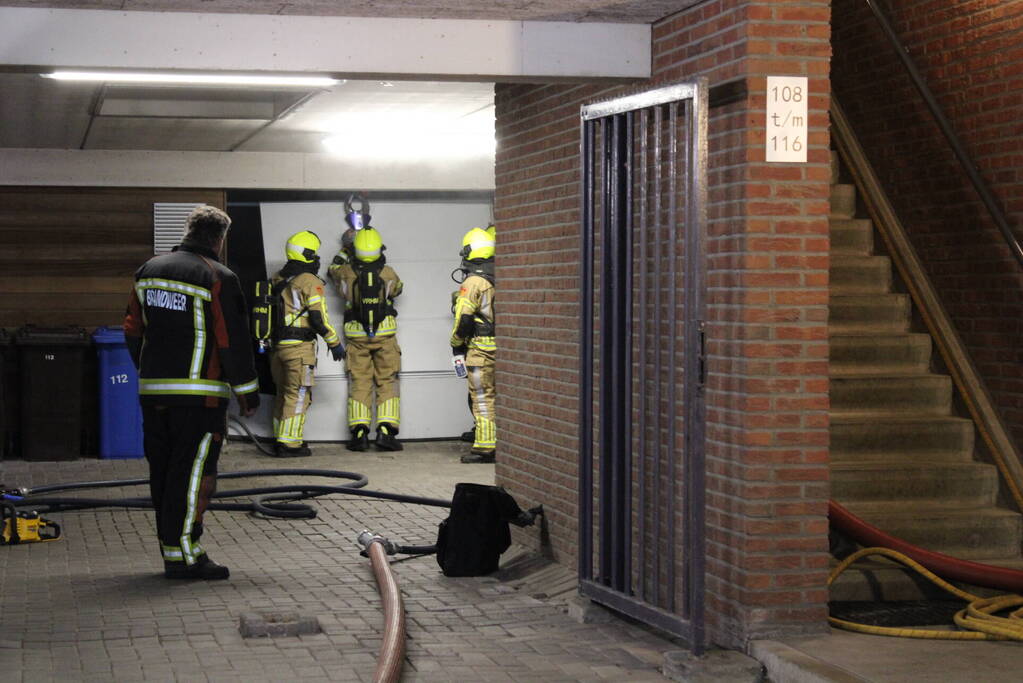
[
  {"x": 13, "y": 494},
  {"x": 367, "y": 538}
]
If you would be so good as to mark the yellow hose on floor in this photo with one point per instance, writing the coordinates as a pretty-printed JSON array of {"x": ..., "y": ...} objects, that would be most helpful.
[{"x": 977, "y": 619}]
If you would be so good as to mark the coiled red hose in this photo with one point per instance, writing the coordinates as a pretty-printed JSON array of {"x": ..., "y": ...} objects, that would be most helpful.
[{"x": 945, "y": 566}]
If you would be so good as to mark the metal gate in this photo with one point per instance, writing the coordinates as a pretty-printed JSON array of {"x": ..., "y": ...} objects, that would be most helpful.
[{"x": 641, "y": 445}]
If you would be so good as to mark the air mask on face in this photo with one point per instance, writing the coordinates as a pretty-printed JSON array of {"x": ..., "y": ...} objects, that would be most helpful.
[
  {"x": 459, "y": 274},
  {"x": 484, "y": 267}
]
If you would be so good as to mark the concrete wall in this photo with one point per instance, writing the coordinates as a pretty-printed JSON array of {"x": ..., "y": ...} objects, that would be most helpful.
[
  {"x": 241, "y": 170},
  {"x": 971, "y": 56},
  {"x": 767, "y": 433}
]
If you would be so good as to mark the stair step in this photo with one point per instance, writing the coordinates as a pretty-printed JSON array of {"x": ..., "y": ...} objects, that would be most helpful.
[
  {"x": 972, "y": 533},
  {"x": 860, "y": 274},
  {"x": 899, "y": 459},
  {"x": 929, "y": 394},
  {"x": 843, "y": 200},
  {"x": 900, "y": 439},
  {"x": 872, "y": 354},
  {"x": 852, "y": 236},
  {"x": 877, "y": 579},
  {"x": 876, "y": 313},
  {"x": 971, "y": 484}
]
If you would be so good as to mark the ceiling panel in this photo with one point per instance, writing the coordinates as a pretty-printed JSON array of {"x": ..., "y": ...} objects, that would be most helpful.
[
  {"x": 42, "y": 113},
  {"x": 186, "y": 135},
  {"x": 39, "y": 112},
  {"x": 615, "y": 11},
  {"x": 423, "y": 108}
]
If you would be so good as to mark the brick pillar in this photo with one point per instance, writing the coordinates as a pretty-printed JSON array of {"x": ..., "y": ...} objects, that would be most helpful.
[{"x": 767, "y": 398}]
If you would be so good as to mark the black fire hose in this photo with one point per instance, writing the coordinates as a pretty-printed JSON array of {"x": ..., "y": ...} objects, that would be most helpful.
[
  {"x": 269, "y": 501},
  {"x": 255, "y": 440}
]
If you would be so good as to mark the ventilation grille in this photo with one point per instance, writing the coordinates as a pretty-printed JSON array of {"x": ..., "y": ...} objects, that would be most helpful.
[{"x": 169, "y": 224}]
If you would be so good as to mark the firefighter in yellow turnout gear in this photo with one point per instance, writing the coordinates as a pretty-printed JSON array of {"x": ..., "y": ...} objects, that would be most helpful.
[
  {"x": 369, "y": 286},
  {"x": 293, "y": 361},
  {"x": 473, "y": 337}
]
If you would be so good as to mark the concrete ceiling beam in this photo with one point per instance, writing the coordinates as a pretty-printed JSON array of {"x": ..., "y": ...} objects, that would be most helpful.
[
  {"x": 274, "y": 170},
  {"x": 436, "y": 49}
]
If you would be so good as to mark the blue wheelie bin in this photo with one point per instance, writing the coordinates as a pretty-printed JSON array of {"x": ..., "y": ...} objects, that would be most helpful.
[{"x": 120, "y": 417}]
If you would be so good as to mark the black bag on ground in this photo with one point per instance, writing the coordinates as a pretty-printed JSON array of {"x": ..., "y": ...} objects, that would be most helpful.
[{"x": 470, "y": 541}]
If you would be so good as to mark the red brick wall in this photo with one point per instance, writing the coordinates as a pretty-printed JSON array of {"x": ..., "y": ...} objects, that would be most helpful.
[
  {"x": 767, "y": 308},
  {"x": 971, "y": 55}
]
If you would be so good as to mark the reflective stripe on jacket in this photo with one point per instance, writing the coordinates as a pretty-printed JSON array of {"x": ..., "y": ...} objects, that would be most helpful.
[{"x": 187, "y": 329}]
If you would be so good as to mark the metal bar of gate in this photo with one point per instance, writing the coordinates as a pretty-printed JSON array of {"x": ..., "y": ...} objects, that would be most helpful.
[
  {"x": 626, "y": 356},
  {"x": 672, "y": 332},
  {"x": 610, "y": 385},
  {"x": 658, "y": 334},
  {"x": 615, "y": 363},
  {"x": 643, "y": 318},
  {"x": 585, "y": 559},
  {"x": 695, "y": 367},
  {"x": 606, "y": 427}
]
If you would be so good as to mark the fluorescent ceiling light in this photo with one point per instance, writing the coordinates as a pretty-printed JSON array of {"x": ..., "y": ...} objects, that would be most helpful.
[{"x": 194, "y": 79}]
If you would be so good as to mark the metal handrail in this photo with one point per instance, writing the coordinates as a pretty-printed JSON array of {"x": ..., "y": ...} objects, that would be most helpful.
[{"x": 946, "y": 128}]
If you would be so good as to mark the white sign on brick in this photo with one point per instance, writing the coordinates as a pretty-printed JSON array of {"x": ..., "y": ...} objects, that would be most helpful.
[{"x": 786, "y": 118}]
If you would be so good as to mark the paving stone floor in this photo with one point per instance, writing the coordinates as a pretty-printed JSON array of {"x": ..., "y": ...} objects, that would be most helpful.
[{"x": 93, "y": 606}]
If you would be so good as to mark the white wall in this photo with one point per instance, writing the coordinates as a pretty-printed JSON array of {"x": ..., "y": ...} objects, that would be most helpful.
[{"x": 423, "y": 240}]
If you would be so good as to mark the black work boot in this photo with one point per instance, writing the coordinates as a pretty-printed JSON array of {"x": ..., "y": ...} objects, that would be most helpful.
[
  {"x": 204, "y": 569},
  {"x": 360, "y": 439},
  {"x": 469, "y": 436},
  {"x": 478, "y": 457},
  {"x": 385, "y": 438},
  {"x": 282, "y": 451}
]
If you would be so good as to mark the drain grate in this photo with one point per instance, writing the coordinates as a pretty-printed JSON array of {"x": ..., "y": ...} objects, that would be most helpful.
[
  {"x": 275, "y": 624},
  {"x": 898, "y": 613}
]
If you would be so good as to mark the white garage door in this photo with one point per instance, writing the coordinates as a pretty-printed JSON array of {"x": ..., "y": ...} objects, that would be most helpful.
[{"x": 422, "y": 240}]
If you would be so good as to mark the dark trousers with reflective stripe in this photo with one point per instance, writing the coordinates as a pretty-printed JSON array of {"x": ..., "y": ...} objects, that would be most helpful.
[{"x": 182, "y": 445}]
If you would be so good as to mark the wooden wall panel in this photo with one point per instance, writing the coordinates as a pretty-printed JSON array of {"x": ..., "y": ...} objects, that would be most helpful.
[{"x": 67, "y": 254}]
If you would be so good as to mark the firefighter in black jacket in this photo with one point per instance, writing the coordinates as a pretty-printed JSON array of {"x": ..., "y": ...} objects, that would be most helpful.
[{"x": 187, "y": 331}]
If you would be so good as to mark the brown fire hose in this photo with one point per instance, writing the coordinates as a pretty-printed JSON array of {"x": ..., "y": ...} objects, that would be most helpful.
[{"x": 392, "y": 650}]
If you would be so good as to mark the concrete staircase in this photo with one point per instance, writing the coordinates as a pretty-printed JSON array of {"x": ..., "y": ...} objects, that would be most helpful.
[{"x": 901, "y": 459}]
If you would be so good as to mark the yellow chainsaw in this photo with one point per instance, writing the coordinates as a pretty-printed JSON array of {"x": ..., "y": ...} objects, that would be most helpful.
[{"x": 25, "y": 527}]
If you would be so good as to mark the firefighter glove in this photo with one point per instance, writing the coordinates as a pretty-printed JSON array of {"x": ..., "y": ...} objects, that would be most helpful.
[
  {"x": 247, "y": 403},
  {"x": 338, "y": 352},
  {"x": 459, "y": 350}
]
